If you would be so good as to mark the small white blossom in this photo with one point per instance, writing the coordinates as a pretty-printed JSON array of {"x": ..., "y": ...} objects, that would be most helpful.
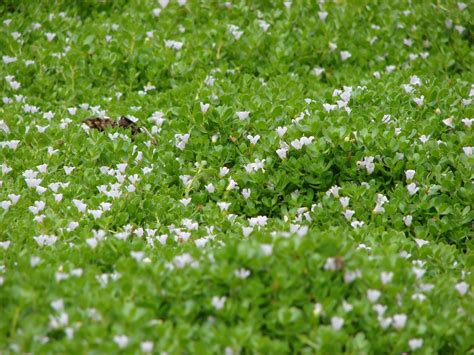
[
  {"x": 409, "y": 174},
  {"x": 412, "y": 188},
  {"x": 218, "y": 302},
  {"x": 415, "y": 344},
  {"x": 345, "y": 55},
  {"x": 337, "y": 323},
  {"x": 242, "y": 273},
  {"x": 242, "y": 115},
  {"x": 399, "y": 321},
  {"x": 407, "y": 220},
  {"x": 373, "y": 295},
  {"x": 121, "y": 341},
  {"x": 204, "y": 107},
  {"x": 462, "y": 288}
]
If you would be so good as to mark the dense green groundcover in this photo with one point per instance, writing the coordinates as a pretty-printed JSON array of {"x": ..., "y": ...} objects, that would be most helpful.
[{"x": 310, "y": 190}]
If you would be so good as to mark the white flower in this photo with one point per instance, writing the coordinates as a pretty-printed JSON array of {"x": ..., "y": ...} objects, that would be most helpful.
[
  {"x": 81, "y": 206},
  {"x": 348, "y": 214},
  {"x": 15, "y": 85},
  {"x": 263, "y": 25},
  {"x": 420, "y": 242},
  {"x": 210, "y": 188},
  {"x": 468, "y": 150},
  {"x": 357, "y": 224},
  {"x": 281, "y": 152},
  {"x": 347, "y": 306},
  {"x": 322, "y": 15},
  {"x": 181, "y": 140},
  {"x": 345, "y": 55},
  {"x": 146, "y": 346},
  {"x": 204, "y": 107},
  {"x": 34, "y": 261},
  {"x": 407, "y": 220},
  {"x": 414, "y": 80},
  {"x": 281, "y": 131},
  {"x": 137, "y": 255},
  {"x": 462, "y": 288},
  {"x": 5, "y": 205},
  {"x": 337, "y": 323},
  {"x": 121, "y": 167},
  {"x": 399, "y": 321},
  {"x": 42, "y": 168},
  {"x": 218, "y": 302},
  {"x": 71, "y": 226},
  {"x": 408, "y": 42},
  {"x": 33, "y": 183},
  {"x": 235, "y": 31},
  {"x": 460, "y": 29},
  {"x": 424, "y": 138},
  {"x": 68, "y": 169},
  {"x": 318, "y": 308},
  {"x": 5, "y": 169},
  {"x": 209, "y": 80},
  {"x": 45, "y": 240},
  {"x": 246, "y": 231},
  {"x": 267, "y": 249},
  {"x": 5, "y": 244},
  {"x": 173, "y": 44},
  {"x": 415, "y": 343},
  {"x": 96, "y": 213},
  {"x": 449, "y": 122},
  {"x": 344, "y": 201},
  {"x": 242, "y": 115},
  {"x": 334, "y": 190},
  {"x": 185, "y": 201},
  {"x": 412, "y": 189},
  {"x": 318, "y": 71},
  {"x": 373, "y": 295},
  {"x": 255, "y": 166},
  {"x": 50, "y": 36},
  {"x": 386, "y": 277},
  {"x": 418, "y": 297},
  {"x": 419, "y": 100},
  {"x": 329, "y": 107},
  {"x": 8, "y": 60},
  {"x": 297, "y": 144},
  {"x": 242, "y": 273},
  {"x": 409, "y": 174},
  {"x": 367, "y": 163},
  {"x": 162, "y": 239},
  {"x": 253, "y": 139},
  {"x": 462, "y": 6},
  {"x": 258, "y": 221},
  {"x": 224, "y": 206},
  {"x": 232, "y": 184},
  {"x": 223, "y": 171},
  {"x": 381, "y": 200},
  {"x": 408, "y": 88},
  {"x": 467, "y": 122},
  {"x": 385, "y": 322},
  {"x": 121, "y": 341},
  {"x": 57, "y": 305},
  {"x": 246, "y": 193},
  {"x": 4, "y": 127},
  {"x": 350, "y": 276},
  {"x": 380, "y": 309}
]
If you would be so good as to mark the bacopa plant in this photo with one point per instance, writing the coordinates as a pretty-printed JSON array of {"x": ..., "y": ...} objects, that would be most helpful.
[{"x": 236, "y": 177}]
